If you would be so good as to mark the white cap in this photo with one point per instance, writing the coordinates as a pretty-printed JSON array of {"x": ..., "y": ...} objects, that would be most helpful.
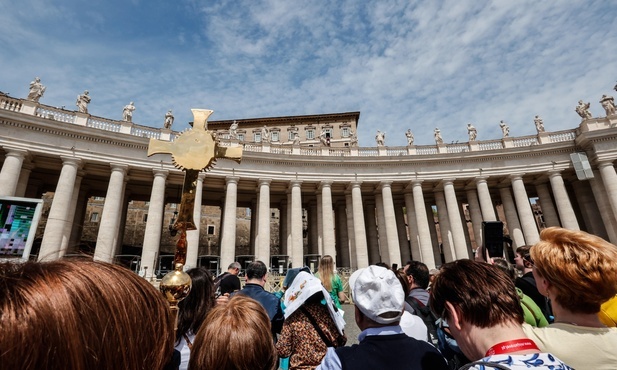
[{"x": 378, "y": 294}]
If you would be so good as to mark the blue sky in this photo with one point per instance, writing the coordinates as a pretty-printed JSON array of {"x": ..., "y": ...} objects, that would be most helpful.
[{"x": 402, "y": 64}]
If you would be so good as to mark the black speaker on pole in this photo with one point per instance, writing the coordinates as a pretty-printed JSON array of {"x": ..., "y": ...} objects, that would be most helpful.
[{"x": 492, "y": 237}]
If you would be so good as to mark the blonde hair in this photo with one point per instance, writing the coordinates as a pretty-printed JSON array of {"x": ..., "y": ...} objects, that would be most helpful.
[
  {"x": 235, "y": 336},
  {"x": 81, "y": 315},
  {"x": 582, "y": 268},
  {"x": 326, "y": 271}
]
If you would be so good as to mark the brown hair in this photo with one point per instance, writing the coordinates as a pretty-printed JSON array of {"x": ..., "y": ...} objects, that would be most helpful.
[
  {"x": 235, "y": 336},
  {"x": 402, "y": 277},
  {"x": 582, "y": 268},
  {"x": 326, "y": 271},
  {"x": 484, "y": 293},
  {"x": 81, "y": 315}
]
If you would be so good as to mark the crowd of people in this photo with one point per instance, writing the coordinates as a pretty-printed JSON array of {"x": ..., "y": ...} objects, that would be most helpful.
[{"x": 554, "y": 308}]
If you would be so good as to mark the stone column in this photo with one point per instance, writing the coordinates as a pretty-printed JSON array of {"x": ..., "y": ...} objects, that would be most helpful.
[
  {"x": 254, "y": 226},
  {"x": 371, "y": 232},
  {"x": 9, "y": 175},
  {"x": 319, "y": 224},
  {"x": 78, "y": 226},
  {"x": 401, "y": 231},
  {"x": 476, "y": 216},
  {"x": 262, "y": 249},
  {"x": 297, "y": 250},
  {"x": 437, "y": 248},
  {"x": 548, "y": 210},
  {"x": 351, "y": 246},
  {"x": 327, "y": 219},
  {"x": 425, "y": 244},
  {"x": 604, "y": 206},
  {"x": 108, "y": 229},
  {"x": 454, "y": 216},
  {"x": 394, "y": 249},
  {"x": 289, "y": 226},
  {"x": 447, "y": 240},
  {"x": 526, "y": 217},
  {"x": 564, "y": 206},
  {"x": 284, "y": 229},
  {"x": 342, "y": 240},
  {"x": 361, "y": 248},
  {"x": 486, "y": 204},
  {"x": 313, "y": 229},
  {"x": 228, "y": 237},
  {"x": 24, "y": 176},
  {"x": 412, "y": 226},
  {"x": 68, "y": 226},
  {"x": 192, "y": 236},
  {"x": 591, "y": 214},
  {"x": 60, "y": 207},
  {"x": 381, "y": 230},
  {"x": 514, "y": 226},
  {"x": 609, "y": 179}
]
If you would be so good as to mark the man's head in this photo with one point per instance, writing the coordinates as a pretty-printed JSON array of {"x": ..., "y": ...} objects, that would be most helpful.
[
  {"x": 256, "y": 273},
  {"x": 234, "y": 268},
  {"x": 417, "y": 274},
  {"x": 378, "y": 297},
  {"x": 523, "y": 260}
]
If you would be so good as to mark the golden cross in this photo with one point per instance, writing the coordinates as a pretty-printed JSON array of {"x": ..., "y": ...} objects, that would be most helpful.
[{"x": 192, "y": 151}]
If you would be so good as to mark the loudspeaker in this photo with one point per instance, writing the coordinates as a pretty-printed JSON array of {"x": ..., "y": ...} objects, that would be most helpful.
[
  {"x": 581, "y": 166},
  {"x": 492, "y": 237}
]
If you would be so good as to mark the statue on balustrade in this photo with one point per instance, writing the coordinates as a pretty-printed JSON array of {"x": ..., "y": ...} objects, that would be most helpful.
[
  {"x": 323, "y": 138},
  {"x": 410, "y": 137},
  {"x": 353, "y": 141},
  {"x": 583, "y": 110},
  {"x": 233, "y": 130},
  {"x": 265, "y": 135},
  {"x": 438, "y": 138},
  {"x": 296, "y": 141},
  {"x": 169, "y": 120},
  {"x": 473, "y": 133},
  {"x": 82, "y": 102},
  {"x": 127, "y": 112},
  {"x": 36, "y": 90},
  {"x": 505, "y": 129},
  {"x": 380, "y": 138},
  {"x": 608, "y": 103},
  {"x": 539, "y": 124}
]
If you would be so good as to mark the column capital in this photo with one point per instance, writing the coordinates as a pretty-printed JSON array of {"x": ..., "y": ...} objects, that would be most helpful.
[
  {"x": 385, "y": 184},
  {"x": 295, "y": 183},
  {"x": 72, "y": 161},
  {"x": 15, "y": 152},
  {"x": 448, "y": 181},
  {"x": 325, "y": 184},
  {"x": 201, "y": 176},
  {"x": 354, "y": 184},
  {"x": 605, "y": 163},
  {"x": 516, "y": 176},
  {"x": 120, "y": 167},
  {"x": 264, "y": 182},
  {"x": 159, "y": 172},
  {"x": 554, "y": 173},
  {"x": 230, "y": 179},
  {"x": 481, "y": 179}
]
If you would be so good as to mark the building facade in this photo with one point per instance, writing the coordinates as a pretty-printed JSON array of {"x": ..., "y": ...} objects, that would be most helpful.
[{"x": 361, "y": 205}]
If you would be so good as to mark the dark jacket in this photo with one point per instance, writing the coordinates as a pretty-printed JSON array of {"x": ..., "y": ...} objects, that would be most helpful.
[{"x": 269, "y": 301}]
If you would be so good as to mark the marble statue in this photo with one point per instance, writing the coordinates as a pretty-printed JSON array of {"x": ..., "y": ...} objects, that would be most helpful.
[
  {"x": 169, "y": 120},
  {"x": 323, "y": 138},
  {"x": 265, "y": 135},
  {"x": 473, "y": 133},
  {"x": 608, "y": 103},
  {"x": 438, "y": 138},
  {"x": 127, "y": 112},
  {"x": 353, "y": 141},
  {"x": 82, "y": 102},
  {"x": 380, "y": 138},
  {"x": 296, "y": 141},
  {"x": 36, "y": 90},
  {"x": 410, "y": 137},
  {"x": 583, "y": 110},
  {"x": 233, "y": 130},
  {"x": 539, "y": 124},
  {"x": 505, "y": 129}
]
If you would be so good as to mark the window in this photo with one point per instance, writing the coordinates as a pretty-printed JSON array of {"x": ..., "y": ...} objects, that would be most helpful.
[
  {"x": 345, "y": 132},
  {"x": 257, "y": 137},
  {"x": 292, "y": 135},
  {"x": 241, "y": 137},
  {"x": 328, "y": 132},
  {"x": 94, "y": 217},
  {"x": 310, "y": 134},
  {"x": 275, "y": 136},
  {"x": 211, "y": 229}
]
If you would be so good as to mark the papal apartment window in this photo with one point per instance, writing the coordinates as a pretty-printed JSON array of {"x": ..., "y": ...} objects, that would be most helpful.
[
  {"x": 345, "y": 132},
  {"x": 257, "y": 137},
  {"x": 94, "y": 217},
  {"x": 328, "y": 132},
  {"x": 211, "y": 229},
  {"x": 310, "y": 134},
  {"x": 275, "y": 136},
  {"x": 241, "y": 137},
  {"x": 292, "y": 135}
]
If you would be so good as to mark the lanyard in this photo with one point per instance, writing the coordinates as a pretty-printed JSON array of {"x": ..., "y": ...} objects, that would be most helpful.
[{"x": 512, "y": 346}]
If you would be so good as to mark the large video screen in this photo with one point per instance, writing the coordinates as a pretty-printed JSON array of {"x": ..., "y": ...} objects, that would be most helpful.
[{"x": 19, "y": 218}]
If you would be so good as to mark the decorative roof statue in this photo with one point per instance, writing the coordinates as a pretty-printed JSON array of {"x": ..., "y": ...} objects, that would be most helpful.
[
  {"x": 583, "y": 110},
  {"x": 127, "y": 112},
  {"x": 410, "y": 137},
  {"x": 608, "y": 103},
  {"x": 82, "y": 102},
  {"x": 169, "y": 120},
  {"x": 380, "y": 138},
  {"x": 438, "y": 138},
  {"x": 265, "y": 135},
  {"x": 296, "y": 141},
  {"x": 233, "y": 130},
  {"x": 505, "y": 129},
  {"x": 353, "y": 141},
  {"x": 36, "y": 90},
  {"x": 539, "y": 124},
  {"x": 473, "y": 133},
  {"x": 323, "y": 138}
]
